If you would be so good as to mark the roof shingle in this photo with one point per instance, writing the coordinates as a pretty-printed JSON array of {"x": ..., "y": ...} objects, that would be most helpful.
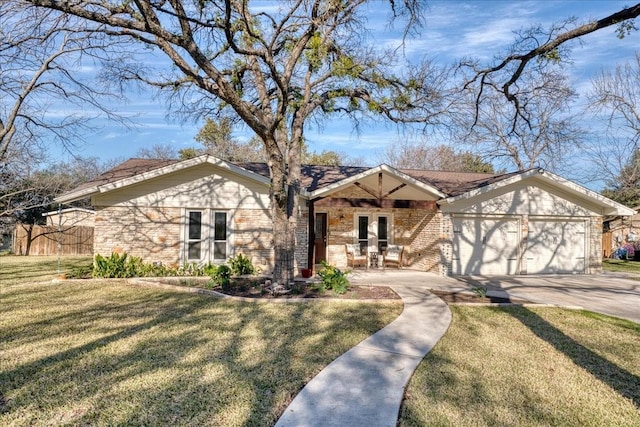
[{"x": 316, "y": 176}]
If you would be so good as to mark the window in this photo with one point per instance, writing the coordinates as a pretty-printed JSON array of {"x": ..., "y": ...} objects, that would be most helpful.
[
  {"x": 383, "y": 232},
  {"x": 363, "y": 233},
  {"x": 194, "y": 236},
  {"x": 220, "y": 236}
]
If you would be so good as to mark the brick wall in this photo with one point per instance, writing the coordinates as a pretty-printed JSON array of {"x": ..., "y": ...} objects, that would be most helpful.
[
  {"x": 252, "y": 236},
  {"x": 595, "y": 245},
  {"x": 150, "y": 233},
  {"x": 154, "y": 235},
  {"x": 418, "y": 230}
]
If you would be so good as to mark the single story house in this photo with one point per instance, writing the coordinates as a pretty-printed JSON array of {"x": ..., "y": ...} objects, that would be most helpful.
[{"x": 205, "y": 210}]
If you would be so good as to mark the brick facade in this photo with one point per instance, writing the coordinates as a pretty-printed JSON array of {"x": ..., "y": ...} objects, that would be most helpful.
[
  {"x": 253, "y": 237},
  {"x": 595, "y": 245},
  {"x": 150, "y": 233},
  {"x": 418, "y": 230},
  {"x": 154, "y": 234}
]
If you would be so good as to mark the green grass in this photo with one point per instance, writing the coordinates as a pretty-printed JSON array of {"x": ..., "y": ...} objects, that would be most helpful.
[
  {"x": 108, "y": 353},
  {"x": 528, "y": 367},
  {"x": 24, "y": 269},
  {"x": 619, "y": 265}
]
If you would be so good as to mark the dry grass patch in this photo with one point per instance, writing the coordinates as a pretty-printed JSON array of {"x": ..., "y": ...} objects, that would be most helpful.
[
  {"x": 23, "y": 269},
  {"x": 106, "y": 353},
  {"x": 528, "y": 367}
]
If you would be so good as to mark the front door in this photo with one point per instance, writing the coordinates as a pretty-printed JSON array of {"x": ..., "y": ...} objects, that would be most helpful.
[{"x": 320, "y": 242}]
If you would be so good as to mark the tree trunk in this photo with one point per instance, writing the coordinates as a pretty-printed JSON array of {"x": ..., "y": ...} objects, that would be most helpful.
[
  {"x": 29, "y": 239},
  {"x": 284, "y": 204}
]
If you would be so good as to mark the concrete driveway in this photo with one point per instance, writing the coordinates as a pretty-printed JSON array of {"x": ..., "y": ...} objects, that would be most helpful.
[
  {"x": 607, "y": 293},
  {"x": 604, "y": 293}
]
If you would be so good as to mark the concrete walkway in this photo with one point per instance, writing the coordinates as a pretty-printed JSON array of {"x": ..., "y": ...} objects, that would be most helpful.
[{"x": 365, "y": 386}]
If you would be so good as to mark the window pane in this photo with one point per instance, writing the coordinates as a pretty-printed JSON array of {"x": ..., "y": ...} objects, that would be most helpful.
[
  {"x": 363, "y": 228},
  {"x": 194, "y": 250},
  {"x": 220, "y": 250},
  {"x": 195, "y": 225},
  {"x": 382, "y": 228},
  {"x": 220, "y": 226}
]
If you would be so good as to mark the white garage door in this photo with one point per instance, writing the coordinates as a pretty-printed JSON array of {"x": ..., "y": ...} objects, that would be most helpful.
[
  {"x": 485, "y": 246},
  {"x": 555, "y": 247}
]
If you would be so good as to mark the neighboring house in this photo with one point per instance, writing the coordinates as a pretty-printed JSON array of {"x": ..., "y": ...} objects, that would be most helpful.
[
  {"x": 619, "y": 230},
  {"x": 205, "y": 209},
  {"x": 71, "y": 217}
]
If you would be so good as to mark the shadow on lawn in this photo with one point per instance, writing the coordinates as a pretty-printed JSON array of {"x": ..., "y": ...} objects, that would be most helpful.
[
  {"x": 624, "y": 382},
  {"x": 156, "y": 357}
]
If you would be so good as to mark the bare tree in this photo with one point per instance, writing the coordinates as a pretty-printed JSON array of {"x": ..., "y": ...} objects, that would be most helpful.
[
  {"x": 158, "y": 151},
  {"x": 536, "y": 48},
  {"x": 625, "y": 187},
  {"x": 615, "y": 97},
  {"x": 41, "y": 55},
  {"x": 276, "y": 69},
  {"x": 422, "y": 155},
  {"x": 518, "y": 107},
  {"x": 540, "y": 132}
]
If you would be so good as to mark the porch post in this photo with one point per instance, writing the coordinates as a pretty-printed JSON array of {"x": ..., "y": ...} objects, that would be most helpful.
[{"x": 312, "y": 235}]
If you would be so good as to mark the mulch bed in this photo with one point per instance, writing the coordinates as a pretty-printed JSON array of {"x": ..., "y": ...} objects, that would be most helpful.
[{"x": 305, "y": 291}]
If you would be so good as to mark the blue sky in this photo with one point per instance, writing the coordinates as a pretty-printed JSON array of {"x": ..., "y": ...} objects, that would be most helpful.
[{"x": 454, "y": 29}]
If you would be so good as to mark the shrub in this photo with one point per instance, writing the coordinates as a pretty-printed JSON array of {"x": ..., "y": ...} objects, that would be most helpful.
[
  {"x": 333, "y": 278},
  {"x": 114, "y": 266},
  {"x": 241, "y": 265},
  {"x": 222, "y": 276},
  {"x": 124, "y": 266},
  {"x": 481, "y": 292}
]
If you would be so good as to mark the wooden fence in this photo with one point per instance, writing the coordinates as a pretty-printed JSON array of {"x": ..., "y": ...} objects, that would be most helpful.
[
  {"x": 607, "y": 237},
  {"x": 43, "y": 240}
]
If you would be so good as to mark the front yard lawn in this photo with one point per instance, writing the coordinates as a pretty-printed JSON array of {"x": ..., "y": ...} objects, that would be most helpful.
[
  {"x": 108, "y": 353},
  {"x": 105, "y": 353},
  {"x": 620, "y": 265},
  {"x": 528, "y": 367}
]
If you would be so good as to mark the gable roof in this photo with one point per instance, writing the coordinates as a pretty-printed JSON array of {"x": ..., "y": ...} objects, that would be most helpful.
[
  {"x": 315, "y": 178},
  {"x": 369, "y": 172},
  {"x": 318, "y": 180},
  {"x": 609, "y": 206},
  {"x": 134, "y": 171}
]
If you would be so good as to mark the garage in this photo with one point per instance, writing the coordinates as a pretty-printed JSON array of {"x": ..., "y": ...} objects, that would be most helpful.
[
  {"x": 556, "y": 246},
  {"x": 486, "y": 246}
]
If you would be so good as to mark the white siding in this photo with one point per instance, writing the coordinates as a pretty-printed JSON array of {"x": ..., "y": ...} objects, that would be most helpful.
[
  {"x": 524, "y": 198},
  {"x": 201, "y": 186}
]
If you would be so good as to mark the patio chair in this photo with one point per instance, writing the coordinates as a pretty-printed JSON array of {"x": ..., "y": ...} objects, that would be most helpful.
[
  {"x": 393, "y": 256},
  {"x": 354, "y": 256}
]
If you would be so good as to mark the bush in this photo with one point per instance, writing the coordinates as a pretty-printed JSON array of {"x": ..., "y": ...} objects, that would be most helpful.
[
  {"x": 241, "y": 265},
  {"x": 115, "y": 266},
  {"x": 124, "y": 266},
  {"x": 222, "y": 276},
  {"x": 333, "y": 278}
]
